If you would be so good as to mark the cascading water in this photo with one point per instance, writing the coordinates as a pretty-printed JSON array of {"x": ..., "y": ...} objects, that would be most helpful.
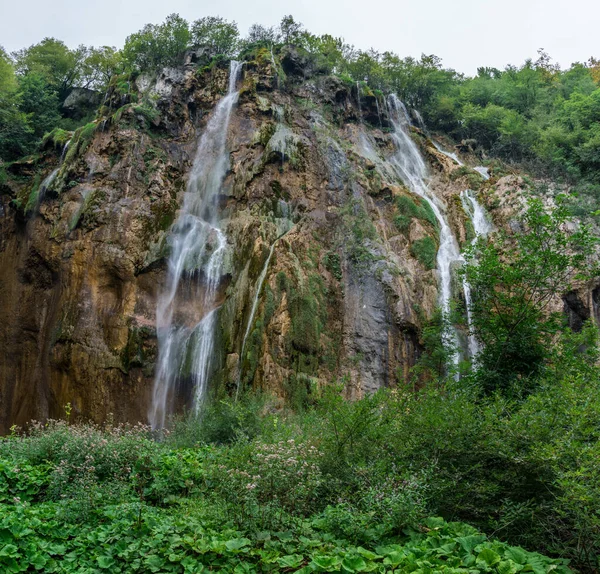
[
  {"x": 411, "y": 168},
  {"x": 259, "y": 284},
  {"x": 482, "y": 226},
  {"x": 195, "y": 265},
  {"x": 449, "y": 154},
  {"x": 48, "y": 181},
  {"x": 483, "y": 171},
  {"x": 358, "y": 101}
]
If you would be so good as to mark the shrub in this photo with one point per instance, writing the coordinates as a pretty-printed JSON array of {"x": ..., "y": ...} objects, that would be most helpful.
[{"x": 425, "y": 250}]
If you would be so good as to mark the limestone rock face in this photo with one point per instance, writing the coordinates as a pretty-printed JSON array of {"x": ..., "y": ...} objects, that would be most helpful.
[{"x": 84, "y": 256}]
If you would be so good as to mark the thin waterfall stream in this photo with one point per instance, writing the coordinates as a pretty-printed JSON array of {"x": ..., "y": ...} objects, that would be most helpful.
[
  {"x": 411, "y": 167},
  {"x": 482, "y": 226},
  {"x": 48, "y": 181},
  {"x": 198, "y": 249}
]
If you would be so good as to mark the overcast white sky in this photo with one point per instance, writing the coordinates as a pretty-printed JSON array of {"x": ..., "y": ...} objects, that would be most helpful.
[{"x": 466, "y": 34}]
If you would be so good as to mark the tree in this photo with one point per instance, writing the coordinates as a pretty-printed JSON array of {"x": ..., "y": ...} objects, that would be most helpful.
[
  {"x": 258, "y": 34},
  {"x": 221, "y": 36},
  {"x": 8, "y": 82},
  {"x": 15, "y": 131},
  {"x": 99, "y": 66},
  {"x": 39, "y": 103},
  {"x": 290, "y": 30},
  {"x": 514, "y": 278},
  {"x": 54, "y": 61},
  {"x": 157, "y": 45}
]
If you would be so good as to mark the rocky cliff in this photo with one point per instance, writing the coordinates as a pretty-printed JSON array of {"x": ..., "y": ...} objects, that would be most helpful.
[{"x": 310, "y": 192}]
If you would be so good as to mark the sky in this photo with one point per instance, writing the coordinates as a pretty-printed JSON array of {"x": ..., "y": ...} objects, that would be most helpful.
[{"x": 466, "y": 34}]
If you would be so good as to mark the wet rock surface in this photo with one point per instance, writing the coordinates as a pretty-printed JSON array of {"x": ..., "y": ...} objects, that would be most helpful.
[{"x": 344, "y": 295}]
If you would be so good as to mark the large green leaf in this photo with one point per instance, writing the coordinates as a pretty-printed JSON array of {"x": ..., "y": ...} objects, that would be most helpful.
[{"x": 489, "y": 557}]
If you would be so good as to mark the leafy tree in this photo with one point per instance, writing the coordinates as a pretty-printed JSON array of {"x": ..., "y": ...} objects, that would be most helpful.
[
  {"x": 330, "y": 53},
  {"x": 290, "y": 30},
  {"x": 8, "y": 82},
  {"x": 157, "y": 45},
  {"x": 54, "y": 61},
  {"x": 15, "y": 131},
  {"x": 39, "y": 103},
  {"x": 258, "y": 34},
  {"x": 514, "y": 279},
  {"x": 99, "y": 66},
  {"x": 221, "y": 36}
]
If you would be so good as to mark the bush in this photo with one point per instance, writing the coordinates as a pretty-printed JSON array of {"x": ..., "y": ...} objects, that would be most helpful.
[{"x": 425, "y": 250}]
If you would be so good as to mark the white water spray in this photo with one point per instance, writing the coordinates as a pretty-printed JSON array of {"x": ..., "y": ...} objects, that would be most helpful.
[
  {"x": 195, "y": 265},
  {"x": 449, "y": 154},
  {"x": 48, "y": 181},
  {"x": 482, "y": 226},
  {"x": 411, "y": 168}
]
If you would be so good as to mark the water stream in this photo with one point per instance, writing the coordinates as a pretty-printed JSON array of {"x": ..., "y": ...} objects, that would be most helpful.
[
  {"x": 413, "y": 171},
  {"x": 449, "y": 154},
  {"x": 259, "y": 285},
  {"x": 198, "y": 249},
  {"x": 48, "y": 181},
  {"x": 482, "y": 226}
]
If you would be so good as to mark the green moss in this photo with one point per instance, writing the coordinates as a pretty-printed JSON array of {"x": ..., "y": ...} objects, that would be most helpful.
[
  {"x": 402, "y": 223},
  {"x": 425, "y": 250},
  {"x": 57, "y": 138},
  {"x": 418, "y": 208},
  {"x": 80, "y": 142},
  {"x": 149, "y": 114},
  {"x": 332, "y": 263},
  {"x": 33, "y": 195},
  {"x": 265, "y": 133},
  {"x": 359, "y": 233}
]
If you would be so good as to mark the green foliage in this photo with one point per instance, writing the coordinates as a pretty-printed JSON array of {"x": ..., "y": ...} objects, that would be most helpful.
[
  {"x": 53, "y": 61},
  {"x": 157, "y": 45},
  {"x": 57, "y": 138},
  {"x": 409, "y": 208},
  {"x": 513, "y": 280},
  {"x": 425, "y": 250},
  {"x": 360, "y": 234},
  {"x": 219, "y": 35},
  {"x": 8, "y": 81},
  {"x": 333, "y": 264}
]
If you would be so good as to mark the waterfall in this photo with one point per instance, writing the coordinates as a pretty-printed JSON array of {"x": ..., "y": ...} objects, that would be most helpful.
[
  {"x": 259, "y": 284},
  {"x": 482, "y": 226},
  {"x": 198, "y": 248},
  {"x": 358, "y": 101},
  {"x": 483, "y": 171},
  {"x": 378, "y": 112},
  {"x": 412, "y": 170},
  {"x": 48, "y": 181},
  {"x": 449, "y": 154}
]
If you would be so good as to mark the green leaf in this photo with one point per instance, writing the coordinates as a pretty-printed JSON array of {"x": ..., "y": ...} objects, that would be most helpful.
[
  {"x": 508, "y": 567},
  {"x": 290, "y": 561},
  {"x": 394, "y": 558},
  {"x": 38, "y": 561},
  {"x": 327, "y": 563},
  {"x": 9, "y": 550},
  {"x": 106, "y": 561},
  {"x": 469, "y": 542},
  {"x": 516, "y": 554},
  {"x": 237, "y": 544},
  {"x": 489, "y": 557},
  {"x": 155, "y": 563},
  {"x": 354, "y": 564},
  {"x": 435, "y": 523}
]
